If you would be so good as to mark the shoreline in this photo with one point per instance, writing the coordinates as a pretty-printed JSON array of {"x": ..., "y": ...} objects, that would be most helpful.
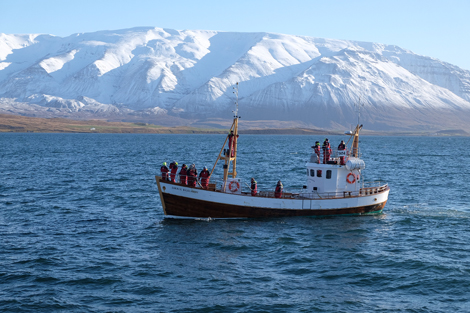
[{"x": 24, "y": 124}]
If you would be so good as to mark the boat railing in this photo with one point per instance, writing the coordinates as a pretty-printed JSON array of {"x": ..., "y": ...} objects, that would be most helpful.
[
  {"x": 369, "y": 188},
  {"x": 328, "y": 195},
  {"x": 176, "y": 178},
  {"x": 309, "y": 196},
  {"x": 213, "y": 183},
  {"x": 372, "y": 187},
  {"x": 333, "y": 156}
]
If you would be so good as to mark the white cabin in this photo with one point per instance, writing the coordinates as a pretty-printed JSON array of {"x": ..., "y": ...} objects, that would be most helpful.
[{"x": 334, "y": 177}]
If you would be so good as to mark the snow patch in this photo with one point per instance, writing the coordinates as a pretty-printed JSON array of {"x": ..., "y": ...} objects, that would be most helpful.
[
  {"x": 156, "y": 111},
  {"x": 4, "y": 65},
  {"x": 9, "y": 43},
  {"x": 56, "y": 63},
  {"x": 192, "y": 72}
]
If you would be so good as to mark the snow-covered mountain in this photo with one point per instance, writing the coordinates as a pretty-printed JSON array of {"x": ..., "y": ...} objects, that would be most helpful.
[{"x": 170, "y": 74}]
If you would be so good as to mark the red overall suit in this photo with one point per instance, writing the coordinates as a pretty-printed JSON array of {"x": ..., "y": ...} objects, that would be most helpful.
[
  {"x": 184, "y": 175},
  {"x": 192, "y": 177},
  {"x": 254, "y": 187},
  {"x": 165, "y": 171},
  {"x": 342, "y": 147},
  {"x": 204, "y": 177},
  {"x": 278, "y": 191},
  {"x": 317, "y": 150},
  {"x": 173, "y": 170},
  {"x": 326, "y": 152}
]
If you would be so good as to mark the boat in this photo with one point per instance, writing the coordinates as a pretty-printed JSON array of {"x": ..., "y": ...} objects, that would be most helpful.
[{"x": 334, "y": 186}]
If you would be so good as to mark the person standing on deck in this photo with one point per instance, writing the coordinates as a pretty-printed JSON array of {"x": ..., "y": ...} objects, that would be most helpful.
[
  {"x": 254, "y": 187},
  {"x": 173, "y": 170},
  {"x": 164, "y": 171},
  {"x": 326, "y": 151},
  {"x": 342, "y": 147},
  {"x": 184, "y": 175},
  {"x": 279, "y": 189},
  {"x": 192, "y": 176},
  {"x": 317, "y": 150},
  {"x": 204, "y": 177}
]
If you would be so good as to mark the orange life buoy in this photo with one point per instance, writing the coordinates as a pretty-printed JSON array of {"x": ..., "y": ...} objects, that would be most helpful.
[
  {"x": 234, "y": 186},
  {"x": 353, "y": 178}
]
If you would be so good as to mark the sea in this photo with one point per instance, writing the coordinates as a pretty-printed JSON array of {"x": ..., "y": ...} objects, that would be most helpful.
[{"x": 82, "y": 229}]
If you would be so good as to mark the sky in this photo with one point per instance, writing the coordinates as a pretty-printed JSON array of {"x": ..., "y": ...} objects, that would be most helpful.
[{"x": 439, "y": 29}]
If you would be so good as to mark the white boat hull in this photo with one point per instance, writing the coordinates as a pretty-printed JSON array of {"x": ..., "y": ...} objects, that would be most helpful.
[{"x": 184, "y": 201}]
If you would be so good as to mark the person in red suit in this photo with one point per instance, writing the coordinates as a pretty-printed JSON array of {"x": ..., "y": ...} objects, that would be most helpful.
[
  {"x": 184, "y": 175},
  {"x": 204, "y": 177},
  {"x": 279, "y": 189},
  {"x": 254, "y": 187},
  {"x": 192, "y": 176},
  {"x": 173, "y": 170},
  {"x": 164, "y": 170},
  {"x": 317, "y": 150},
  {"x": 326, "y": 151},
  {"x": 342, "y": 147}
]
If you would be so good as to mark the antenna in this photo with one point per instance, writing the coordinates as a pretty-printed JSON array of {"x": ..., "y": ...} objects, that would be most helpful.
[
  {"x": 236, "y": 102},
  {"x": 358, "y": 107}
]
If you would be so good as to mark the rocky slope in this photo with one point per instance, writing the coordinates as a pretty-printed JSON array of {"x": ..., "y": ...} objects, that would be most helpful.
[{"x": 179, "y": 77}]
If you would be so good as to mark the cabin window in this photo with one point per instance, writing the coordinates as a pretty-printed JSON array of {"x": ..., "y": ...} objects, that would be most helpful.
[
  {"x": 312, "y": 172},
  {"x": 318, "y": 173},
  {"x": 328, "y": 174}
]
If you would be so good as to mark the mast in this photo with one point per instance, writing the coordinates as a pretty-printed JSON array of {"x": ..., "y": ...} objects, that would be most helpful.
[
  {"x": 355, "y": 144},
  {"x": 230, "y": 155},
  {"x": 355, "y": 135},
  {"x": 233, "y": 149}
]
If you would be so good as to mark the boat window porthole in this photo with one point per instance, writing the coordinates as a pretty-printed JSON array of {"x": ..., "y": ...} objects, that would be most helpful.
[
  {"x": 318, "y": 173},
  {"x": 328, "y": 174},
  {"x": 312, "y": 173}
]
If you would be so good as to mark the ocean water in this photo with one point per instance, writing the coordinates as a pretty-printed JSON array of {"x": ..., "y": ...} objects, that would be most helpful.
[{"x": 82, "y": 230}]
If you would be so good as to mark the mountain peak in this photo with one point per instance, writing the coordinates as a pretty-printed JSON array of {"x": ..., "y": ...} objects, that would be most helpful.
[{"x": 190, "y": 74}]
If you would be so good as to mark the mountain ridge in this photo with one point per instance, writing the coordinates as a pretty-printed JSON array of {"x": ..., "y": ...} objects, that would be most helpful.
[{"x": 188, "y": 75}]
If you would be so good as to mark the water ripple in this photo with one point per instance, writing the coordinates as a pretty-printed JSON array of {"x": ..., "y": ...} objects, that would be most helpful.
[{"x": 82, "y": 230}]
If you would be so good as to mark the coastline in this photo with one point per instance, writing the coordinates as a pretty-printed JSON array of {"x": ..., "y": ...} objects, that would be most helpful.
[{"x": 24, "y": 124}]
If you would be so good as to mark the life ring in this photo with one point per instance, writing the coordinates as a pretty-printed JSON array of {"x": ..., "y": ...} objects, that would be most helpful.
[
  {"x": 353, "y": 178},
  {"x": 234, "y": 186}
]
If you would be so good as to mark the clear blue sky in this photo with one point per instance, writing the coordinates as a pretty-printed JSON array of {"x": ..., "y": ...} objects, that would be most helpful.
[{"x": 439, "y": 29}]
